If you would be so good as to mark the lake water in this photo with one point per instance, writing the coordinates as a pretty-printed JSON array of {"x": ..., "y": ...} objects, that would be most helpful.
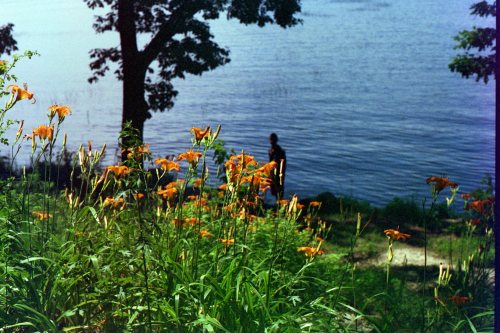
[{"x": 359, "y": 94}]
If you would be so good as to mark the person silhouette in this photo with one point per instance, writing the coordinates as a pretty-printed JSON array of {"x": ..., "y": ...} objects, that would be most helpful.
[{"x": 277, "y": 154}]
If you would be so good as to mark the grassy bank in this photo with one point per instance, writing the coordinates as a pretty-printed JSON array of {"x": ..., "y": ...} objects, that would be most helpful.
[{"x": 124, "y": 249}]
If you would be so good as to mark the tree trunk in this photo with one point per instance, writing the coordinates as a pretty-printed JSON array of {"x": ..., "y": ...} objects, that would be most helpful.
[{"x": 135, "y": 108}]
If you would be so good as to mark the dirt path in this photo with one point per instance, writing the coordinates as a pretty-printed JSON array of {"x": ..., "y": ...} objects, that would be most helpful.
[{"x": 413, "y": 255}]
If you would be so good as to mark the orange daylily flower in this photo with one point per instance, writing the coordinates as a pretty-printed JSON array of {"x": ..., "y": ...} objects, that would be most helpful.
[
  {"x": 441, "y": 183},
  {"x": 137, "y": 152},
  {"x": 267, "y": 169},
  {"x": 223, "y": 187},
  {"x": 475, "y": 221},
  {"x": 191, "y": 220},
  {"x": 200, "y": 134},
  {"x": 170, "y": 190},
  {"x": 205, "y": 233},
  {"x": 466, "y": 196},
  {"x": 479, "y": 205},
  {"x": 119, "y": 170},
  {"x": 244, "y": 160},
  {"x": 396, "y": 234},
  {"x": 265, "y": 185},
  {"x": 314, "y": 204},
  {"x": 231, "y": 166},
  {"x": 177, "y": 222},
  {"x": 41, "y": 215},
  {"x": 226, "y": 241},
  {"x": 167, "y": 165},
  {"x": 44, "y": 132},
  {"x": 110, "y": 201},
  {"x": 257, "y": 182},
  {"x": 138, "y": 196},
  {"x": 283, "y": 202},
  {"x": 459, "y": 300},
  {"x": 197, "y": 183},
  {"x": 310, "y": 251},
  {"x": 20, "y": 93},
  {"x": 61, "y": 110},
  {"x": 168, "y": 193},
  {"x": 203, "y": 201},
  {"x": 143, "y": 149},
  {"x": 173, "y": 184},
  {"x": 190, "y": 156}
]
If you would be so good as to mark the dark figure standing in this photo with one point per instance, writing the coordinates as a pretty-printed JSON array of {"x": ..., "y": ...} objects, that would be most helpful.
[{"x": 277, "y": 154}]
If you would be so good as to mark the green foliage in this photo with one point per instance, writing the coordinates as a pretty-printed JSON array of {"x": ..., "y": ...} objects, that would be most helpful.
[
  {"x": 5, "y": 78},
  {"x": 403, "y": 211},
  {"x": 482, "y": 62},
  {"x": 220, "y": 157}
]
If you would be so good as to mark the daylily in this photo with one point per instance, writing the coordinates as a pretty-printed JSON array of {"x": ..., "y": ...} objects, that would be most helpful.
[
  {"x": 61, "y": 110},
  {"x": 266, "y": 169},
  {"x": 137, "y": 152},
  {"x": 110, "y": 201},
  {"x": 167, "y": 165},
  {"x": 441, "y": 183},
  {"x": 314, "y": 204},
  {"x": 191, "y": 220},
  {"x": 283, "y": 202},
  {"x": 466, "y": 196},
  {"x": 479, "y": 205},
  {"x": 203, "y": 201},
  {"x": 227, "y": 241},
  {"x": 41, "y": 215},
  {"x": 169, "y": 192},
  {"x": 44, "y": 132},
  {"x": 244, "y": 160},
  {"x": 459, "y": 300},
  {"x": 200, "y": 134},
  {"x": 310, "y": 251},
  {"x": 138, "y": 196},
  {"x": 475, "y": 221},
  {"x": 119, "y": 170},
  {"x": 396, "y": 234},
  {"x": 190, "y": 156},
  {"x": 205, "y": 233},
  {"x": 20, "y": 93}
]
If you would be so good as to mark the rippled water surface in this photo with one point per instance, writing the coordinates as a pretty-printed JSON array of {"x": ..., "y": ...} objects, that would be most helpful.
[{"x": 359, "y": 94}]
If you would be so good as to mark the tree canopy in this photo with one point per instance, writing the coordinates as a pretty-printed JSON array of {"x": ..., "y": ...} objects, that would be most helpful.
[
  {"x": 479, "y": 45},
  {"x": 179, "y": 42},
  {"x": 7, "y": 42}
]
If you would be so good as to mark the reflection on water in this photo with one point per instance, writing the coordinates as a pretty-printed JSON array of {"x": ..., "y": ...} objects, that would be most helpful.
[{"x": 359, "y": 94}]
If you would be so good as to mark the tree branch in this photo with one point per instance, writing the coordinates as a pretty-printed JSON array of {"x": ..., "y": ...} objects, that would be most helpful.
[{"x": 172, "y": 26}]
